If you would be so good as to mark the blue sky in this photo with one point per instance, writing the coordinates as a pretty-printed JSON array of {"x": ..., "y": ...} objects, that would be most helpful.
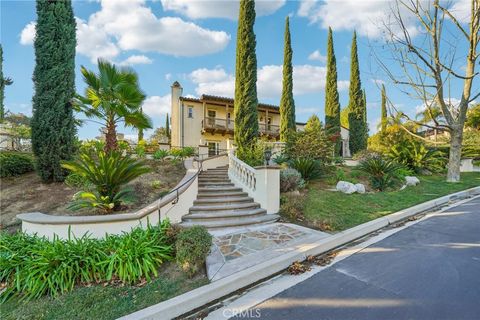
[{"x": 193, "y": 42}]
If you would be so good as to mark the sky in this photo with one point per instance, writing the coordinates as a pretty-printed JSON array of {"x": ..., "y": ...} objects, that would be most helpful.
[{"x": 193, "y": 42}]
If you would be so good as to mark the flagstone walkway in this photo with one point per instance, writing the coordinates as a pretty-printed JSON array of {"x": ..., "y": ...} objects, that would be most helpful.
[{"x": 237, "y": 249}]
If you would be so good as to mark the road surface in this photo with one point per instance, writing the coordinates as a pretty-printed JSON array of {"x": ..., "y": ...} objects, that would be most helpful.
[{"x": 430, "y": 270}]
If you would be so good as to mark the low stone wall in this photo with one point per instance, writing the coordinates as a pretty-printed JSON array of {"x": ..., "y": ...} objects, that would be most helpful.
[
  {"x": 172, "y": 206},
  {"x": 466, "y": 165}
]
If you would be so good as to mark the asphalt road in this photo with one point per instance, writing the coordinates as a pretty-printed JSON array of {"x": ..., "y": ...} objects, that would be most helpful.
[{"x": 430, "y": 270}]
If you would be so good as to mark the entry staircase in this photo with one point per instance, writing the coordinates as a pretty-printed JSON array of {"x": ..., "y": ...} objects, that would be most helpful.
[{"x": 220, "y": 204}]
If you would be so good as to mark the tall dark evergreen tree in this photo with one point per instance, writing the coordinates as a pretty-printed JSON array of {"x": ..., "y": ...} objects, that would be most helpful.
[
  {"x": 53, "y": 126},
  {"x": 3, "y": 83},
  {"x": 287, "y": 103},
  {"x": 332, "y": 103},
  {"x": 246, "y": 115},
  {"x": 384, "y": 120},
  {"x": 356, "y": 105}
]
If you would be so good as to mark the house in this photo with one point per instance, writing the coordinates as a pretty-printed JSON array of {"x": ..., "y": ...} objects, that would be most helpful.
[{"x": 208, "y": 120}]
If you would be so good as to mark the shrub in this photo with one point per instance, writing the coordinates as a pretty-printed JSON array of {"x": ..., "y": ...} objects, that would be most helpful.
[
  {"x": 140, "y": 149},
  {"x": 14, "y": 164},
  {"x": 290, "y": 180},
  {"x": 31, "y": 266},
  {"x": 382, "y": 173},
  {"x": 160, "y": 154},
  {"x": 314, "y": 144},
  {"x": 291, "y": 207},
  {"x": 280, "y": 158},
  {"x": 340, "y": 175},
  {"x": 108, "y": 173},
  {"x": 308, "y": 168},
  {"x": 364, "y": 154},
  {"x": 192, "y": 247},
  {"x": 418, "y": 157},
  {"x": 92, "y": 146},
  {"x": 76, "y": 181}
]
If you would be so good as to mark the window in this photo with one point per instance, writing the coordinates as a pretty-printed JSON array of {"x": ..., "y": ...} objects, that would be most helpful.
[{"x": 190, "y": 112}]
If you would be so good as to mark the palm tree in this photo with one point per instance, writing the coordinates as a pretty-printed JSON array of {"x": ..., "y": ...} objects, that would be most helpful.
[{"x": 113, "y": 96}]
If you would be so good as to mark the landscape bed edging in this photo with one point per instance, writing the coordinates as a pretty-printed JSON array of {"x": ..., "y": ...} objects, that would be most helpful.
[{"x": 204, "y": 295}]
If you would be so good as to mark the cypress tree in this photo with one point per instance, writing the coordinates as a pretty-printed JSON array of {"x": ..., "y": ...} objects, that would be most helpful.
[
  {"x": 245, "y": 106},
  {"x": 332, "y": 103},
  {"x": 287, "y": 104},
  {"x": 356, "y": 105},
  {"x": 53, "y": 126},
  {"x": 384, "y": 109},
  {"x": 3, "y": 83}
]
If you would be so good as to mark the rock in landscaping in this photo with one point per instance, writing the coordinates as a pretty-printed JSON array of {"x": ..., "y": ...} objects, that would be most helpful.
[
  {"x": 360, "y": 188},
  {"x": 346, "y": 187},
  {"x": 411, "y": 181}
]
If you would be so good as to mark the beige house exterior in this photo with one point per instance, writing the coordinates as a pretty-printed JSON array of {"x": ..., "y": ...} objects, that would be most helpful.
[{"x": 209, "y": 120}]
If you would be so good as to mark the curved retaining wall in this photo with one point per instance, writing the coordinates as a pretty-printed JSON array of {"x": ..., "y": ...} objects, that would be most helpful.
[{"x": 173, "y": 206}]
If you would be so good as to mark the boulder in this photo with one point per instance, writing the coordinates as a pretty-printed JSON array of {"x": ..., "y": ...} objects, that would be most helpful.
[
  {"x": 411, "y": 181},
  {"x": 346, "y": 187},
  {"x": 360, "y": 188}
]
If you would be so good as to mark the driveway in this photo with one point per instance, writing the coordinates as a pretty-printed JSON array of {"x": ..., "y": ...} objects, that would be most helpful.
[{"x": 430, "y": 270}]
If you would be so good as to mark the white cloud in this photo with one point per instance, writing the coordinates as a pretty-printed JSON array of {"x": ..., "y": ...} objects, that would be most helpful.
[
  {"x": 306, "y": 79},
  {"x": 157, "y": 106},
  {"x": 131, "y": 25},
  {"x": 168, "y": 76},
  {"x": 28, "y": 33},
  {"x": 367, "y": 17},
  {"x": 316, "y": 55},
  {"x": 200, "y": 9},
  {"x": 461, "y": 10},
  {"x": 94, "y": 42},
  {"x": 136, "y": 59}
]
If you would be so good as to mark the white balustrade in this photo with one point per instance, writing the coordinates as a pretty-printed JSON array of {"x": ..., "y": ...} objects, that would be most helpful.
[{"x": 261, "y": 183}]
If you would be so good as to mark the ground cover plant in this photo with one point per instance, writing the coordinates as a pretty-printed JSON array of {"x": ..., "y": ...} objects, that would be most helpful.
[
  {"x": 32, "y": 266},
  {"x": 82, "y": 278}
]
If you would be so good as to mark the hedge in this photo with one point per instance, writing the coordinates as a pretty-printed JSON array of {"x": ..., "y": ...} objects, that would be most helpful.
[{"x": 15, "y": 163}]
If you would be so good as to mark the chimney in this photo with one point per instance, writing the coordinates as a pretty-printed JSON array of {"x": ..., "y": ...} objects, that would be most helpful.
[{"x": 176, "y": 114}]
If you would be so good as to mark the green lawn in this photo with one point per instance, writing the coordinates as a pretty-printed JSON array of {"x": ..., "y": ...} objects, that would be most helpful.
[
  {"x": 104, "y": 302},
  {"x": 341, "y": 211}
]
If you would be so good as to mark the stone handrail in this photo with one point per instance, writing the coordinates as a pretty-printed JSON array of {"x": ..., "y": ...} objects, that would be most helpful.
[
  {"x": 261, "y": 183},
  {"x": 242, "y": 172}
]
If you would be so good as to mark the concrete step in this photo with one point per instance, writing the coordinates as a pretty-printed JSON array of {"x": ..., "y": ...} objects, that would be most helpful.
[
  {"x": 220, "y": 179},
  {"x": 214, "y": 176},
  {"x": 221, "y": 193},
  {"x": 224, "y": 207},
  {"x": 234, "y": 222},
  {"x": 213, "y": 189},
  {"x": 223, "y": 214},
  {"x": 222, "y": 200},
  {"x": 215, "y": 183}
]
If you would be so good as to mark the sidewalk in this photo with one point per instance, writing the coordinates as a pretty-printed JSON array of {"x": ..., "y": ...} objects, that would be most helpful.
[{"x": 240, "y": 248}]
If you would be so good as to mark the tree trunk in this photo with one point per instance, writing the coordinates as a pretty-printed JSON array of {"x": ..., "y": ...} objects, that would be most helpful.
[
  {"x": 453, "y": 174},
  {"x": 111, "y": 138}
]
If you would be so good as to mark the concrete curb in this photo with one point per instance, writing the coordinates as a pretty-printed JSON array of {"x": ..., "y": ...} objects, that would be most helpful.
[{"x": 199, "y": 297}]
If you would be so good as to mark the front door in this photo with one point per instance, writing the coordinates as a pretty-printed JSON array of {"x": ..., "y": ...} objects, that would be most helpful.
[{"x": 212, "y": 148}]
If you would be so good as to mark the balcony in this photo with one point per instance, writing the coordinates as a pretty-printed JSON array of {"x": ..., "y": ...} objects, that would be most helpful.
[{"x": 223, "y": 126}]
